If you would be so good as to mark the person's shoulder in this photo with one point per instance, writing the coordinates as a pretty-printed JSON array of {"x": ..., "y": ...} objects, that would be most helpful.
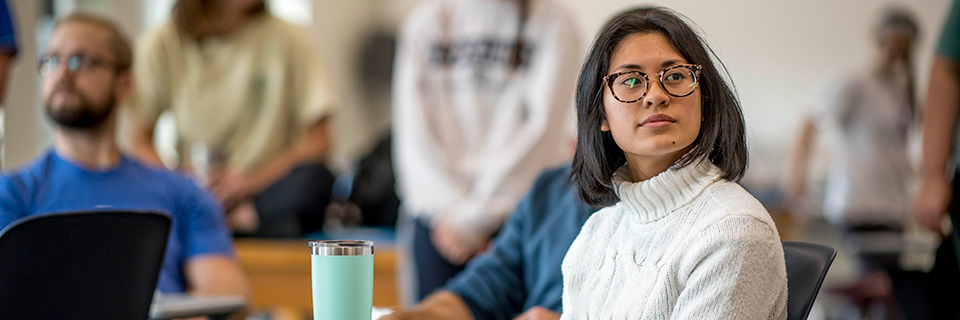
[
  {"x": 276, "y": 26},
  {"x": 164, "y": 32},
  {"x": 603, "y": 221},
  {"x": 279, "y": 33},
  {"x": 556, "y": 176},
  {"x": 730, "y": 197},
  {"x": 175, "y": 184},
  {"x": 29, "y": 175},
  {"x": 728, "y": 200},
  {"x": 552, "y": 10},
  {"x": 38, "y": 167},
  {"x": 158, "y": 41},
  {"x": 424, "y": 16},
  {"x": 553, "y": 191},
  {"x": 551, "y": 197},
  {"x": 428, "y": 8},
  {"x": 159, "y": 174}
]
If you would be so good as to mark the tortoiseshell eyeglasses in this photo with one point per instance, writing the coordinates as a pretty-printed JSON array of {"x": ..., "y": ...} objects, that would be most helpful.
[{"x": 631, "y": 86}]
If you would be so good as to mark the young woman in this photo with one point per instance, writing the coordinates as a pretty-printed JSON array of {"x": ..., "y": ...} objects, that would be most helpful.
[{"x": 661, "y": 143}]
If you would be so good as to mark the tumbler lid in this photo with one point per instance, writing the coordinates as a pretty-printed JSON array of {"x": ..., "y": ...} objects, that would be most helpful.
[{"x": 341, "y": 247}]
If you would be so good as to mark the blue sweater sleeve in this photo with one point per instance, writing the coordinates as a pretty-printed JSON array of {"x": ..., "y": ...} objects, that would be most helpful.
[{"x": 492, "y": 284}]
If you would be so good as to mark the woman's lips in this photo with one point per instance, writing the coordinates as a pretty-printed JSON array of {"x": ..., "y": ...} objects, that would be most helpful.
[{"x": 657, "y": 120}]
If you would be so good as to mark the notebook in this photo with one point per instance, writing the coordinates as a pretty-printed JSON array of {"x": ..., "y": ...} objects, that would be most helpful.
[{"x": 172, "y": 305}]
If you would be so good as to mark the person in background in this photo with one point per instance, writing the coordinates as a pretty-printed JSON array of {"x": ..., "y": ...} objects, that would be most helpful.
[
  {"x": 481, "y": 94},
  {"x": 8, "y": 46},
  {"x": 86, "y": 75},
  {"x": 936, "y": 196},
  {"x": 8, "y": 50},
  {"x": 660, "y": 144},
  {"x": 872, "y": 111},
  {"x": 250, "y": 99},
  {"x": 519, "y": 276}
]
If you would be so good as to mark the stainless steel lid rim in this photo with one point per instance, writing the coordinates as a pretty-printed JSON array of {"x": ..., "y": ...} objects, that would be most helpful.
[{"x": 341, "y": 247}]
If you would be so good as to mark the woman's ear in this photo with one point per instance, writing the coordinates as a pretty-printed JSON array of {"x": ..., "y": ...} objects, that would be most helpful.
[{"x": 604, "y": 126}]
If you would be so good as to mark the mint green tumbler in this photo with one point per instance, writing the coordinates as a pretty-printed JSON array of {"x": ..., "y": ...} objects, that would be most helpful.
[{"x": 342, "y": 278}]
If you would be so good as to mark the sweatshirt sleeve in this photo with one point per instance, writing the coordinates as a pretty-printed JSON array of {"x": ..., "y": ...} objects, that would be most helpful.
[
  {"x": 739, "y": 273},
  {"x": 548, "y": 98},
  {"x": 491, "y": 285}
]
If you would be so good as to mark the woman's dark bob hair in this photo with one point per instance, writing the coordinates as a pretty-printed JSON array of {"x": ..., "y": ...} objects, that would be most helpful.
[{"x": 721, "y": 139}]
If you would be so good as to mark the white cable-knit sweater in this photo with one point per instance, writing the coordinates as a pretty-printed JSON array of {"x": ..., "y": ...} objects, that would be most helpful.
[{"x": 684, "y": 244}]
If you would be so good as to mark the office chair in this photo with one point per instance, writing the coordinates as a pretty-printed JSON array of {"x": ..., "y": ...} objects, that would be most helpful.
[
  {"x": 81, "y": 265},
  {"x": 807, "y": 265}
]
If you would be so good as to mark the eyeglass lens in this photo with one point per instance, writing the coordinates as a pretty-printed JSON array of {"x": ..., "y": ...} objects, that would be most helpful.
[
  {"x": 678, "y": 81},
  {"x": 50, "y": 63}
]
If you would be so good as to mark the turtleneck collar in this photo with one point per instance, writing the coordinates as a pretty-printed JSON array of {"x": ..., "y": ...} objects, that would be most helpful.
[{"x": 654, "y": 198}]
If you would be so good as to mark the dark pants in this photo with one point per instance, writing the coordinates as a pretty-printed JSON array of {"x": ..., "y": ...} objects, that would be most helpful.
[
  {"x": 945, "y": 276},
  {"x": 295, "y": 204},
  {"x": 909, "y": 287},
  {"x": 432, "y": 269}
]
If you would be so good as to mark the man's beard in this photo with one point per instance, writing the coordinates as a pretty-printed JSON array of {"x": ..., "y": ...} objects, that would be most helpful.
[{"x": 84, "y": 115}]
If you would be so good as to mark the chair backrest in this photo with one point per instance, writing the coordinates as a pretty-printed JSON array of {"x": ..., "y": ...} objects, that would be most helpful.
[
  {"x": 807, "y": 265},
  {"x": 81, "y": 265}
]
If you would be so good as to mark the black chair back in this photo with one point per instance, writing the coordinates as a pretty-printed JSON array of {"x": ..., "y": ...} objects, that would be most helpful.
[
  {"x": 81, "y": 265},
  {"x": 807, "y": 265}
]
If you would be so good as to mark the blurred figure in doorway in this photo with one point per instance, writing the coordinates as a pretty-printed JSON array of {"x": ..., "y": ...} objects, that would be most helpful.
[{"x": 871, "y": 110}]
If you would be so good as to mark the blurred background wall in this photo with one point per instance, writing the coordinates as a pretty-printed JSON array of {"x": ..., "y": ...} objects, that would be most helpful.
[{"x": 776, "y": 52}]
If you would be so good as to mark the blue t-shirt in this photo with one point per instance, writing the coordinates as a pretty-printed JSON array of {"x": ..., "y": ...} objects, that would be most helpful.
[
  {"x": 8, "y": 35},
  {"x": 52, "y": 184},
  {"x": 522, "y": 268}
]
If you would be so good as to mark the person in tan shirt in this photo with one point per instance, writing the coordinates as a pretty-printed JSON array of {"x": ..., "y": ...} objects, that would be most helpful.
[{"x": 247, "y": 93}]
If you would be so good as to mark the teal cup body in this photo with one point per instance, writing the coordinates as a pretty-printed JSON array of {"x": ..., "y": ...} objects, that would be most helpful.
[{"x": 342, "y": 279}]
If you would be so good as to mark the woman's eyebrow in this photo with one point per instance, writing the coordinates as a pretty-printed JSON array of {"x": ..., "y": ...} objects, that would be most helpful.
[
  {"x": 668, "y": 63},
  {"x": 629, "y": 66}
]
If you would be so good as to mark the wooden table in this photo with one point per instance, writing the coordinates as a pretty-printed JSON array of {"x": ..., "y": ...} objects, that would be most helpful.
[{"x": 279, "y": 273}]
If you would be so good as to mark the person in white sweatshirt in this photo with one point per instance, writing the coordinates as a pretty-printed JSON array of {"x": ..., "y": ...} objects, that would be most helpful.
[
  {"x": 661, "y": 143},
  {"x": 482, "y": 90}
]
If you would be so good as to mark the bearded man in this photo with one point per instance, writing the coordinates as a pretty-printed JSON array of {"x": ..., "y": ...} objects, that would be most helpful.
[{"x": 86, "y": 74}]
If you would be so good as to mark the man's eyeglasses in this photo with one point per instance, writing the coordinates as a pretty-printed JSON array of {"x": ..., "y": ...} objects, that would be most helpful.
[
  {"x": 75, "y": 62},
  {"x": 631, "y": 86}
]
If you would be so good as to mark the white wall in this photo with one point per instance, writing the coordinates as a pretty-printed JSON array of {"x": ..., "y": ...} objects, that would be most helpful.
[{"x": 22, "y": 132}]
